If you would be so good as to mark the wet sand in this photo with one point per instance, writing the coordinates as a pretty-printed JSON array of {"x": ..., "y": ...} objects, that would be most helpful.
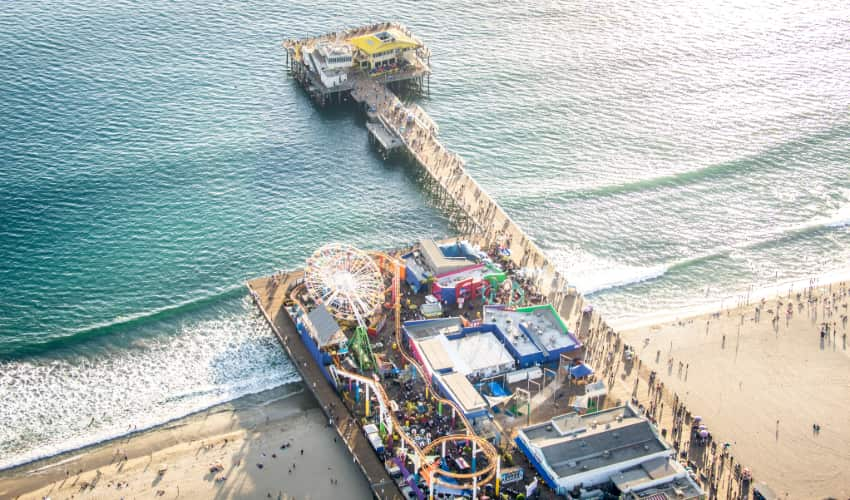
[
  {"x": 237, "y": 436},
  {"x": 744, "y": 371}
]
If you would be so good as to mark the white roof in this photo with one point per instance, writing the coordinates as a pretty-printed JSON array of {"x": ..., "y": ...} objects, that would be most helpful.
[
  {"x": 480, "y": 352},
  {"x": 533, "y": 373},
  {"x": 508, "y": 323},
  {"x": 475, "y": 352},
  {"x": 334, "y": 49},
  {"x": 434, "y": 350},
  {"x": 464, "y": 393}
]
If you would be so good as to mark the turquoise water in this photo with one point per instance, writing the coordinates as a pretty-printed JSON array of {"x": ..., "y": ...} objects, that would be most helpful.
[{"x": 155, "y": 156}]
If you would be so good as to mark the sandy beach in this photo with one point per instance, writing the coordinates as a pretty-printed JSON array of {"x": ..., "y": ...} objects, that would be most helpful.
[
  {"x": 762, "y": 378},
  {"x": 233, "y": 450}
]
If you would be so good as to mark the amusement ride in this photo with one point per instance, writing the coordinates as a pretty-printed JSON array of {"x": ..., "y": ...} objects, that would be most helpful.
[{"x": 349, "y": 283}]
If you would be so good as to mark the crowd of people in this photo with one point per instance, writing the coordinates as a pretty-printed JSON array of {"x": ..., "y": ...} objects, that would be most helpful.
[{"x": 704, "y": 457}]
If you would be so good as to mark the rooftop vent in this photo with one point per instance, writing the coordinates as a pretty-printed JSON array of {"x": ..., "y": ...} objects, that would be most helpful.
[
  {"x": 616, "y": 434},
  {"x": 646, "y": 447},
  {"x": 619, "y": 418},
  {"x": 606, "y": 453}
]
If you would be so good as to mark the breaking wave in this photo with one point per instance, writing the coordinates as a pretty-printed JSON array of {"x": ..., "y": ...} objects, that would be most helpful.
[
  {"x": 592, "y": 275},
  {"x": 53, "y": 404}
]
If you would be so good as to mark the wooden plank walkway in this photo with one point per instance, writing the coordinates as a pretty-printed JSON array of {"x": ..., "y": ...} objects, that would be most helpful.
[
  {"x": 384, "y": 136},
  {"x": 447, "y": 170},
  {"x": 269, "y": 294}
]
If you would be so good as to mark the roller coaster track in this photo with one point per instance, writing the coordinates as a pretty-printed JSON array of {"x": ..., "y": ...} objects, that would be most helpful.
[
  {"x": 481, "y": 476},
  {"x": 484, "y": 445}
]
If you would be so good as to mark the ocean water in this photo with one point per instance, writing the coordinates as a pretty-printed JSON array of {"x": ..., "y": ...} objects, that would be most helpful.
[{"x": 153, "y": 156}]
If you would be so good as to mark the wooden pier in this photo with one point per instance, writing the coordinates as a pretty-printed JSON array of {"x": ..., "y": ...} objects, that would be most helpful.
[
  {"x": 383, "y": 136},
  {"x": 396, "y": 126}
]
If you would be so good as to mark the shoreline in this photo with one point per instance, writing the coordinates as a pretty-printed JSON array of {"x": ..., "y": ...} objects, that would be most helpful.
[
  {"x": 139, "y": 431},
  {"x": 49, "y": 465},
  {"x": 246, "y": 429},
  {"x": 657, "y": 318},
  {"x": 727, "y": 302}
]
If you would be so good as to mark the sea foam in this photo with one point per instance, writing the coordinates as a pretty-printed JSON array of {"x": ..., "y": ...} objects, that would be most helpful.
[{"x": 56, "y": 404}]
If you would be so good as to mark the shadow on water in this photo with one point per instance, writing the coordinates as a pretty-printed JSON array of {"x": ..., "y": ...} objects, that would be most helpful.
[{"x": 399, "y": 161}]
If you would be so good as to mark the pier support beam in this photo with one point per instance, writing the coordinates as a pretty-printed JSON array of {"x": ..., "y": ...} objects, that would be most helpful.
[
  {"x": 498, "y": 474},
  {"x": 367, "y": 400}
]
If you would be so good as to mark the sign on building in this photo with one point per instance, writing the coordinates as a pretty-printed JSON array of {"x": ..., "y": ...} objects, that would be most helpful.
[{"x": 512, "y": 475}]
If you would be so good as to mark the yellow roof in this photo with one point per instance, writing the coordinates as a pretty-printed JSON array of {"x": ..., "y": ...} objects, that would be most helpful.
[{"x": 381, "y": 41}]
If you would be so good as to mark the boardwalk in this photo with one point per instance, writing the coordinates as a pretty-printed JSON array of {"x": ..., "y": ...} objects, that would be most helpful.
[{"x": 269, "y": 294}]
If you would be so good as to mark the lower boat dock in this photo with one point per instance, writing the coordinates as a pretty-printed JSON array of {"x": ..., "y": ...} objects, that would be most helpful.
[{"x": 383, "y": 136}]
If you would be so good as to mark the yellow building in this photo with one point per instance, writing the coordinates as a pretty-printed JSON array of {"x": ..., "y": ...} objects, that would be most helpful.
[{"x": 382, "y": 51}]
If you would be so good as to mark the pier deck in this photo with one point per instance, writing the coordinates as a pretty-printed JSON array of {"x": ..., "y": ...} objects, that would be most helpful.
[
  {"x": 304, "y": 67},
  {"x": 270, "y": 294},
  {"x": 383, "y": 136}
]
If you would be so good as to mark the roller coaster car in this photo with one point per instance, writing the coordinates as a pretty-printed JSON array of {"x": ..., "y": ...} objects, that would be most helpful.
[{"x": 392, "y": 469}]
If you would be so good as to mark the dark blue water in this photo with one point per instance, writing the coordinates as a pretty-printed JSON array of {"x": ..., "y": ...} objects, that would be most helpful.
[{"x": 155, "y": 155}]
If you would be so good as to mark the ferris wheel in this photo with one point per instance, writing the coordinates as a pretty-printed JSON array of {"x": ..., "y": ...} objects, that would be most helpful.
[{"x": 346, "y": 280}]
